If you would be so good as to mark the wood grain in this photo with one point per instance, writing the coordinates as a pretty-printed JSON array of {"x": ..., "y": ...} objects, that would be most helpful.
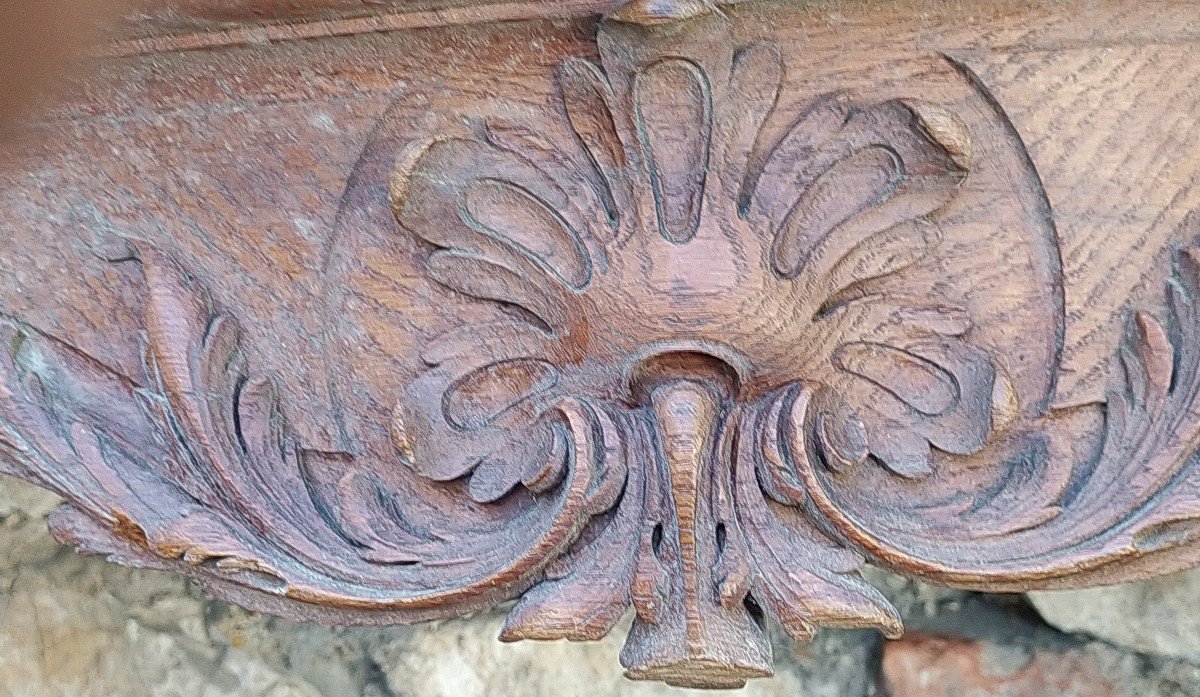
[{"x": 683, "y": 311}]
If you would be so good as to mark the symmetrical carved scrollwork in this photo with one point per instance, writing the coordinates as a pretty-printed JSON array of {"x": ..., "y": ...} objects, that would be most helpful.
[{"x": 695, "y": 348}]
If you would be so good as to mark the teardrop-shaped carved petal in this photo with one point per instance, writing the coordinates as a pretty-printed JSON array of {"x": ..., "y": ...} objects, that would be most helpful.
[
  {"x": 477, "y": 199},
  {"x": 514, "y": 214},
  {"x": 673, "y": 107},
  {"x": 477, "y": 399},
  {"x": 586, "y": 99},
  {"x": 857, "y": 182},
  {"x": 879, "y": 255},
  {"x": 776, "y": 178},
  {"x": 919, "y": 383},
  {"x": 584, "y": 186},
  {"x": 480, "y": 278},
  {"x": 753, "y": 90}
]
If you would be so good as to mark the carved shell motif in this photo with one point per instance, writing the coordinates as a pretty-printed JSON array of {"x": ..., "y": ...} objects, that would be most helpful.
[
  {"x": 707, "y": 293},
  {"x": 699, "y": 349}
]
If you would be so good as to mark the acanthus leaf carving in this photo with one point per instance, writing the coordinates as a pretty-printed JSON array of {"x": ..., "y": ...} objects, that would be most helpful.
[
  {"x": 1057, "y": 516},
  {"x": 195, "y": 471},
  {"x": 701, "y": 359}
]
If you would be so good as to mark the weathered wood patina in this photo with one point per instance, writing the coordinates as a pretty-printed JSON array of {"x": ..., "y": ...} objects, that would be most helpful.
[{"x": 371, "y": 313}]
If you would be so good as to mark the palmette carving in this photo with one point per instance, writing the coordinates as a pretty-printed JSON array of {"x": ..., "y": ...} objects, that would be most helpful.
[
  {"x": 699, "y": 349},
  {"x": 721, "y": 300}
]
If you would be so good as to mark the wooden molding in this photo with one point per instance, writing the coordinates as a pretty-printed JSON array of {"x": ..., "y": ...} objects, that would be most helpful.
[{"x": 688, "y": 343}]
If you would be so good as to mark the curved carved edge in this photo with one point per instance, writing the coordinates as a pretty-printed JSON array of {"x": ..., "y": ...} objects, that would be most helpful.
[
  {"x": 740, "y": 303},
  {"x": 73, "y": 427},
  {"x": 1106, "y": 493},
  {"x": 707, "y": 484},
  {"x": 196, "y": 470}
]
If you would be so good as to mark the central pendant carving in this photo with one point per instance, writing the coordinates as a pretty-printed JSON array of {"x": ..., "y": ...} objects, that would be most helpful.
[
  {"x": 693, "y": 625},
  {"x": 723, "y": 296}
]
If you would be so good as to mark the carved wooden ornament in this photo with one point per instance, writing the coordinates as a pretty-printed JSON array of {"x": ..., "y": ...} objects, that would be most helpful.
[{"x": 688, "y": 345}]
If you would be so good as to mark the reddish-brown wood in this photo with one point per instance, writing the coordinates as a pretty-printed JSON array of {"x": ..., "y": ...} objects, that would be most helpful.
[
  {"x": 684, "y": 311},
  {"x": 191, "y": 25}
]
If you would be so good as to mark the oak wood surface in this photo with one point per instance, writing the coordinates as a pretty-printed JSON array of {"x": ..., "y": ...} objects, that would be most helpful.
[{"x": 682, "y": 309}]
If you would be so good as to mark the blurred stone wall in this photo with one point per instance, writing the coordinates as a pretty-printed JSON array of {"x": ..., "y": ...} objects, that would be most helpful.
[{"x": 72, "y": 626}]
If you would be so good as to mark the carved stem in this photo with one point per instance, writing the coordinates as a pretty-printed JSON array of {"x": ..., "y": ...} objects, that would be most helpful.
[{"x": 685, "y": 634}]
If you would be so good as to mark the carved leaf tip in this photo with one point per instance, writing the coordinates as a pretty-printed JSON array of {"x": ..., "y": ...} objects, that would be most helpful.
[
  {"x": 1154, "y": 350},
  {"x": 406, "y": 164},
  {"x": 945, "y": 128}
]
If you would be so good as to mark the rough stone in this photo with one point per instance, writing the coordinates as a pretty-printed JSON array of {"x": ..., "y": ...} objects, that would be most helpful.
[
  {"x": 1152, "y": 616},
  {"x": 981, "y": 645},
  {"x": 927, "y": 666},
  {"x": 924, "y": 665},
  {"x": 76, "y": 626}
]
